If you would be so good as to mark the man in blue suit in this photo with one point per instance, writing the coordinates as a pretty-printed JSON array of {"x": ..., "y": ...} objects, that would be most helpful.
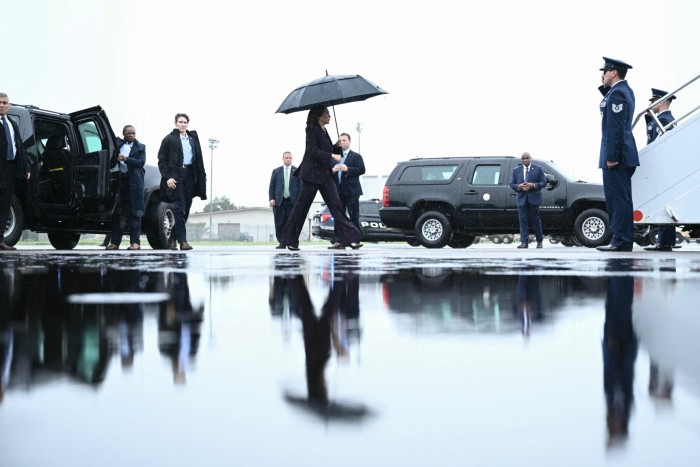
[
  {"x": 667, "y": 233},
  {"x": 283, "y": 192},
  {"x": 347, "y": 175},
  {"x": 527, "y": 181},
  {"x": 618, "y": 153}
]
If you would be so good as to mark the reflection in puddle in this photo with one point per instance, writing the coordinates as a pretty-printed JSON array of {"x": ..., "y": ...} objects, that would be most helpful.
[{"x": 453, "y": 356}]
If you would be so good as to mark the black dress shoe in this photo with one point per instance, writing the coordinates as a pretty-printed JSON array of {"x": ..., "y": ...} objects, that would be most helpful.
[
  {"x": 171, "y": 245},
  {"x": 539, "y": 244},
  {"x": 659, "y": 247},
  {"x": 356, "y": 246},
  {"x": 280, "y": 247},
  {"x": 522, "y": 245},
  {"x": 614, "y": 248},
  {"x": 292, "y": 248},
  {"x": 7, "y": 247},
  {"x": 336, "y": 246}
]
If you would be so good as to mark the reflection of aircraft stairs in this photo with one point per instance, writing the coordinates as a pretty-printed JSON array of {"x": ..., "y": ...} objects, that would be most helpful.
[{"x": 666, "y": 185}]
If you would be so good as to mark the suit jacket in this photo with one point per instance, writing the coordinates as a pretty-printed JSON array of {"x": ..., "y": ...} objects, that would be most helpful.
[
  {"x": 134, "y": 164},
  {"x": 170, "y": 159},
  {"x": 617, "y": 143},
  {"x": 276, "y": 190},
  {"x": 535, "y": 176},
  {"x": 350, "y": 181},
  {"x": 316, "y": 165},
  {"x": 19, "y": 166}
]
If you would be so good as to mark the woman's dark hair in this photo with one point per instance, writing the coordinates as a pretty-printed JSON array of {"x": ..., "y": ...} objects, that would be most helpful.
[{"x": 314, "y": 114}]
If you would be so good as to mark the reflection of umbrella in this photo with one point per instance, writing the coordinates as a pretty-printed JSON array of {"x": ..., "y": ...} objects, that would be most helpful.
[{"x": 329, "y": 91}]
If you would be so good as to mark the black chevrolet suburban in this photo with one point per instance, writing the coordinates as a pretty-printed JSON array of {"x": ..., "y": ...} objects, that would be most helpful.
[
  {"x": 74, "y": 183},
  {"x": 451, "y": 200}
]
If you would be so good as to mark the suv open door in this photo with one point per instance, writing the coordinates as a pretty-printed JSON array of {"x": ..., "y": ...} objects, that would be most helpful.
[{"x": 95, "y": 147}]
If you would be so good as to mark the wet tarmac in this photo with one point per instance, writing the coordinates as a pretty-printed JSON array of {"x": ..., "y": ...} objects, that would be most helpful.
[{"x": 389, "y": 355}]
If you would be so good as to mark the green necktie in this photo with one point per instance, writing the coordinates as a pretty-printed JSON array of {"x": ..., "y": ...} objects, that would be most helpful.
[{"x": 286, "y": 182}]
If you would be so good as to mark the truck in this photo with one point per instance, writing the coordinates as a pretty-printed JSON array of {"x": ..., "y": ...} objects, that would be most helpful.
[
  {"x": 449, "y": 201},
  {"x": 77, "y": 194}
]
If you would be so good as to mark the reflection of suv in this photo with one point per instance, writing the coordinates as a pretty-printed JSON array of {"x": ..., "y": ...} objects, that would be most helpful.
[
  {"x": 449, "y": 201},
  {"x": 373, "y": 230},
  {"x": 73, "y": 187}
]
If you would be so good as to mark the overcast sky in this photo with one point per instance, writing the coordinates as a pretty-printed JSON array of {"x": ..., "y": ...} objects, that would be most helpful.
[{"x": 489, "y": 80}]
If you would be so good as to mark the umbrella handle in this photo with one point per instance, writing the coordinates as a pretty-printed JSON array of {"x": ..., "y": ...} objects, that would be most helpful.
[{"x": 336, "y": 122}]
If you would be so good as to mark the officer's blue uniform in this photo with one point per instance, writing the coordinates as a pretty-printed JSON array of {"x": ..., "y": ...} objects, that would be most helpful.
[
  {"x": 617, "y": 145},
  {"x": 667, "y": 233}
]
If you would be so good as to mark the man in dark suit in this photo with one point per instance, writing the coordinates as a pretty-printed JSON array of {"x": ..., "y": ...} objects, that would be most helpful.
[
  {"x": 667, "y": 233},
  {"x": 347, "y": 175},
  {"x": 618, "y": 153},
  {"x": 183, "y": 177},
  {"x": 283, "y": 192},
  {"x": 13, "y": 164},
  {"x": 527, "y": 181}
]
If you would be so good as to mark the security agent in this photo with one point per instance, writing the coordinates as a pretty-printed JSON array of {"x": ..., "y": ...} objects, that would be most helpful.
[
  {"x": 667, "y": 233},
  {"x": 618, "y": 153}
]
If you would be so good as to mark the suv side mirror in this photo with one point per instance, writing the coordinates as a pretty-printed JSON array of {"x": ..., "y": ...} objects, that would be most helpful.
[{"x": 552, "y": 182}]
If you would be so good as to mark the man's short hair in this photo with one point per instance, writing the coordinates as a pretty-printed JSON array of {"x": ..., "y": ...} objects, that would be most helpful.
[{"x": 182, "y": 115}]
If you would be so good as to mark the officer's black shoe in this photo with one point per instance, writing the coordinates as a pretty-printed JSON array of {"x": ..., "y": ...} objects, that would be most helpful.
[
  {"x": 614, "y": 248},
  {"x": 280, "y": 247},
  {"x": 522, "y": 245},
  {"x": 658, "y": 247},
  {"x": 539, "y": 244}
]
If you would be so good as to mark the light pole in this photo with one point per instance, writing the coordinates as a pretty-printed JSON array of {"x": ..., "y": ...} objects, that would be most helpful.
[
  {"x": 359, "y": 137},
  {"x": 212, "y": 145}
]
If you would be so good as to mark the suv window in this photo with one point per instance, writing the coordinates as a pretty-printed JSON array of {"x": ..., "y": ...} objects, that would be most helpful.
[
  {"x": 90, "y": 137},
  {"x": 428, "y": 173},
  {"x": 486, "y": 175}
]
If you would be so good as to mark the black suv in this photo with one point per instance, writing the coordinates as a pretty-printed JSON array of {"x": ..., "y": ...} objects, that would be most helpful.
[
  {"x": 450, "y": 201},
  {"x": 373, "y": 230},
  {"x": 74, "y": 185}
]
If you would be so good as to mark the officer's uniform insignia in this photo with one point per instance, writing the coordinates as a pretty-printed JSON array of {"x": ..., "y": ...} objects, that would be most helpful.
[{"x": 617, "y": 108}]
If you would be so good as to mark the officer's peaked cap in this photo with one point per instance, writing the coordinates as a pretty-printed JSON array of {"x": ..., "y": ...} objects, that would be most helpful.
[
  {"x": 612, "y": 64},
  {"x": 658, "y": 94}
]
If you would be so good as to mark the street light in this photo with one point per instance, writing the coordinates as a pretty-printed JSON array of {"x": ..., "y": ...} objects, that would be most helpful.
[
  {"x": 212, "y": 145},
  {"x": 359, "y": 137}
]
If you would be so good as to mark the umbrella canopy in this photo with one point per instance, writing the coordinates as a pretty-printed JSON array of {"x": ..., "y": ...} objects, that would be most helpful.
[{"x": 328, "y": 91}]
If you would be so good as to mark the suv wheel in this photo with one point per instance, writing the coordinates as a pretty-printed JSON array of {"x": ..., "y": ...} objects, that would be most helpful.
[
  {"x": 433, "y": 230},
  {"x": 63, "y": 241},
  {"x": 461, "y": 241},
  {"x": 161, "y": 219},
  {"x": 15, "y": 223},
  {"x": 592, "y": 228}
]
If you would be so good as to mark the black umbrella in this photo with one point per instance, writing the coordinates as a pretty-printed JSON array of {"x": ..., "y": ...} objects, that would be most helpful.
[{"x": 329, "y": 91}]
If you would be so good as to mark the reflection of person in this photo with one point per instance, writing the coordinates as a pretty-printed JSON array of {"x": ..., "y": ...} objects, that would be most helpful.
[
  {"x": 347, "y": 173},
  {"x": 527, "y": 181},
  {"x": 619, "y": 353},
  {"x": 182, "y": 176},
  {"x": 130, "y": 205},
  {"x": 667, "y": 233},
  {"x": 618, "y": 153},
  {"x": 179, "y": 327},
  {"x": 13, "y": 164},
  {"x": 315, "y": 173},
  {"x": 317, "y": 334},
  {"x": 283, "y": 192},
  {"x": 528, "y": 301}
]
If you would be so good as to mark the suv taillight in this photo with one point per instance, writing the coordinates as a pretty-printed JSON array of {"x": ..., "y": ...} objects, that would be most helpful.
[
  {"x": 325, "y": 217},
  {"x": 385, "y": 197}
]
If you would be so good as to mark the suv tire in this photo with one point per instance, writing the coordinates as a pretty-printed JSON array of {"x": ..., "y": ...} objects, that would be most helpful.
[
  {"x": 461, "y": 241},
  {"x": 433, "y": 230},
  {"x": 592, "y": 228},
  {"x": 15, "y": 223},
  {"x": 63, "y": 241},
  {"x": 161, "y": 219}
]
